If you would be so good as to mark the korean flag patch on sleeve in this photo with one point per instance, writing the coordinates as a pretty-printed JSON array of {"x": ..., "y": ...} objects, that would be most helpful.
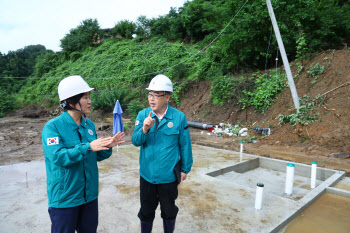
[{"x": 52, "y": 141}]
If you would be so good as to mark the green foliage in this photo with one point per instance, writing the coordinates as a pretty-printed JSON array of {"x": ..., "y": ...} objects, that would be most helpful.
[
  {"x": 266, "y": 88},
  {"x": 226, "y": 88},
  {"x": 75, "y": 56},
  {"x": 81, "y": 36},
  {"x": 105, "y": 99},
  {"x": 304, "y": 117},
  {"x": 143, "y": 27},
  {"x": 178, "y": 89},
  {"x": 20, "y": 63},
  {"x": 301, "y": 48},
  {"x": 47, "y": 62},
  {"x": 124, "y": 28},
  {"x": 7, "y": 103},
  {"x": 316, "y": 70},
  {"x": 134, "y": 107}
]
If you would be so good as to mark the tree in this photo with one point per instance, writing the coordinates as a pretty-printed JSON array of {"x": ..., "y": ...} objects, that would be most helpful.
[
  {"x": 46, "y": 62},
  {"x": 124, "y": 28},
  {"x": 143, "y": 27},
  {"x": 81, "y": 36},
  {"x": 20, "y": 63}
]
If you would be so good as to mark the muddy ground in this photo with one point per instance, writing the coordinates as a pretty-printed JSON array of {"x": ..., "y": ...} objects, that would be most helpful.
[{"x": 325, "y": 141}]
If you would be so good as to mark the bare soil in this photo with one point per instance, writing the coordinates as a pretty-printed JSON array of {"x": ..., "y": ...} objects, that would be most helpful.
[{"x": 325, "y": 141}]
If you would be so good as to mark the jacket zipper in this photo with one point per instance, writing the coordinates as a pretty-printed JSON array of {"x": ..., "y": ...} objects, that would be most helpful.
[{"x": 84, "y": 171}]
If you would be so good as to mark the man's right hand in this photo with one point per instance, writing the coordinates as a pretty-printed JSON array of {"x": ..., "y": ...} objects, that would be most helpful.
[{"x": 148, "y": 123}]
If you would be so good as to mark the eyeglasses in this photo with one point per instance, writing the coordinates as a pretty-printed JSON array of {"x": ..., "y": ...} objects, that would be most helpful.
[{"x": 150, "y": 96}]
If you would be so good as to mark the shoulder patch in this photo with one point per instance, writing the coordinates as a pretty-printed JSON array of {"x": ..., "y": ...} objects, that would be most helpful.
[
  {"x": 137, "y": 122},
  {"x": 52, "y": 141}
]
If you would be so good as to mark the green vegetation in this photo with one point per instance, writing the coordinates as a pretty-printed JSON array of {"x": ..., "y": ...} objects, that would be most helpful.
[
  {"x": 316, "y": 70},
  {"x": 133, "y": 109},
  {"x": 124, "y": 28},
  {"x": 258, "y": 90},
  {"x": 176, "y": 44},
  {"x": 80, "y": 37},
  {"x": 306, "y": 113},
  {"x": 265, "y": 90}
]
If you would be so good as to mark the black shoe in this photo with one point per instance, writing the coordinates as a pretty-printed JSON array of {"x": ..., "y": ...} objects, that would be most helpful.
[
  {"x": 169, "y": 225},
  {"x": 146, "y": 227}
]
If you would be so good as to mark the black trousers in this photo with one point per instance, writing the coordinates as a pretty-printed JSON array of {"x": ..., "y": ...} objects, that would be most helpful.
[{"x": 152, "y": 194}]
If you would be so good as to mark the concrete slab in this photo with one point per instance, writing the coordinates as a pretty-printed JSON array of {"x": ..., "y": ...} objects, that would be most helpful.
[{"x": 218, "y": 195}]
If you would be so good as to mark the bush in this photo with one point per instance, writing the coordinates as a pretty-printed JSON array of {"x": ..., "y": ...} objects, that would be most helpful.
[
  {"x": 316, "y": 70},
  {"x": 106, "y": 99},
  {"x": 225, "y": 88},
  {"x": 266, "y": 88},
  {"x": 7, "y": 103},
  {"x": 134, "y": 107},
  {"x": 304, "y": 117}
]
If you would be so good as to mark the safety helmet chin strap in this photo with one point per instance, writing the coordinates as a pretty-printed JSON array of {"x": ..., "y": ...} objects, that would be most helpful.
[{"x": 64, "y": 104}]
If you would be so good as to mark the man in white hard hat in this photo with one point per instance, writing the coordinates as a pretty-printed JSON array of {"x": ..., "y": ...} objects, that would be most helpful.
[
  {"x": 71, "y": 153},
  {"x": 163, "y": 134}
]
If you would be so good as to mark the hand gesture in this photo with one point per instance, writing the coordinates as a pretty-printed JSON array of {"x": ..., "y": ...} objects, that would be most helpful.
[
  {"x": 100, "y": 144},
  {"x": 116, "y": 139},
  {"x": 148, "y": 123}
]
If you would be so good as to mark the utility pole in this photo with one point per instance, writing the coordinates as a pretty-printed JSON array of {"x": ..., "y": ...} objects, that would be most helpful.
[{"x": 284, "y": 56}]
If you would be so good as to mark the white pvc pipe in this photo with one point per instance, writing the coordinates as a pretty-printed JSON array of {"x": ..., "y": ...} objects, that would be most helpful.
[
  {"x": 313, "y": 174},
  {"x": 289, "y": 178},
  {"x": 259, "y": 195},
  {"x": 241, "y": 152}
]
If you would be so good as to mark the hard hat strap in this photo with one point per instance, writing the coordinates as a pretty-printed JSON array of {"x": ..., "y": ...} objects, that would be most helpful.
[{"x": 79, "y": 111}]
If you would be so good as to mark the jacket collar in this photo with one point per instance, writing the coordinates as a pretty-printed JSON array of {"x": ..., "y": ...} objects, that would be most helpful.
[{"x": 169, "y": 113}]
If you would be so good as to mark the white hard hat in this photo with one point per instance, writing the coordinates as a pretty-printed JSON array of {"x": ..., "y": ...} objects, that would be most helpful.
[
  {"x": 71, "y": 86},
  {"x": 160, "y": 83}
]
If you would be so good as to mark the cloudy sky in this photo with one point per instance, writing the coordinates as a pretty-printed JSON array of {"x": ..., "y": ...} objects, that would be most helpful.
[{"x": 31, "y": 22}]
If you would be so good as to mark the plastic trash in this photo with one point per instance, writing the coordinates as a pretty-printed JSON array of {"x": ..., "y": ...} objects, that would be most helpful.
[{"x": 243, "y": 132}]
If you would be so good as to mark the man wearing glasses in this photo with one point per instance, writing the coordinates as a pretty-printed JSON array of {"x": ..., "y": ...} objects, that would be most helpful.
[{"x": 163, "y": 134}]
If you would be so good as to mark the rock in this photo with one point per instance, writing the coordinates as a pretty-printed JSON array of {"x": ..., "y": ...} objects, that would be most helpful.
[{"x": 341, "y": 155}]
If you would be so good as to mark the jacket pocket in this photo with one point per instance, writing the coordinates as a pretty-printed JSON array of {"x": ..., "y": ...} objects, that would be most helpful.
[{"x": 171, "y": 132}]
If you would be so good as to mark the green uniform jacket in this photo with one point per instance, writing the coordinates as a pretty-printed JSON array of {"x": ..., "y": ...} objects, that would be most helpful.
[
  {"x": 162, "y": 147},
  {"x": 71, "y": 165}
]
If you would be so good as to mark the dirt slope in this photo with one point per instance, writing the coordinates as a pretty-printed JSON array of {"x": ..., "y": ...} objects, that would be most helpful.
[{"x": 326, "y": 140}]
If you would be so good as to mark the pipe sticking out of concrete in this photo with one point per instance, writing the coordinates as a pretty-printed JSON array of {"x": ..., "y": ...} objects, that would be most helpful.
[
  {"x": 259, "y": 195},
  {"x": 198, "y": 125},
  {"x": 313, "y": 174},
  {"x": 289, "y": 178},
  {"x": 241, "y": 152}
]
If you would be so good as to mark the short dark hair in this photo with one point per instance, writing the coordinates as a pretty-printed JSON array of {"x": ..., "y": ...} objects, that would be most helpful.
[{"x": 72, "y": 100}]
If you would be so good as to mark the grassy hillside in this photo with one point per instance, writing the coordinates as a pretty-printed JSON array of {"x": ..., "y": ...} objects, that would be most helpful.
[{"x": 117, "y": 69}]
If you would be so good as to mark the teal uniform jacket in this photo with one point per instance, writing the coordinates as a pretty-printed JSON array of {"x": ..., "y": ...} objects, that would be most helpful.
[
  {"x": 162, "y": 147},
  {"x": 71, "y": 165}
]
